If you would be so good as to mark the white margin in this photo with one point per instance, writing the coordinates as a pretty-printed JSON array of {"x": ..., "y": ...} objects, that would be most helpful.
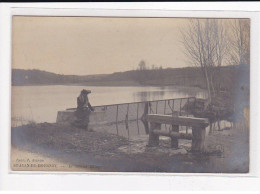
[{"x": 177, "y": 181}]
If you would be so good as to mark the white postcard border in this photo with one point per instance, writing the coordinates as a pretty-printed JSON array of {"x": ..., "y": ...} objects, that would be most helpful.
[{"x": 47, "y": 10}]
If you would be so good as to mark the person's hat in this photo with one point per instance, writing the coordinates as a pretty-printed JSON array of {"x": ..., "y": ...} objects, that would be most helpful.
[{"x": 85, "y": 91}]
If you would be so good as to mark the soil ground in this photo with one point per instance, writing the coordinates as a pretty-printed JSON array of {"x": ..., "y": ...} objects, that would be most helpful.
[{"x": 57, "y": 147}]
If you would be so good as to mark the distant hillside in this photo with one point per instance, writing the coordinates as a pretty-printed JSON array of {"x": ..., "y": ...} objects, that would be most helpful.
[
  {"x": 189, "y": 76},
  {"x": 21, "y": 77}
]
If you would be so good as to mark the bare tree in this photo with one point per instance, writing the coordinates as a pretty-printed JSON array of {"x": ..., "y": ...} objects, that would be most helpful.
[
  {"x": 194, "y": 42},
  {"x": 222, "y": 50},
  {"x": 240, "y": 42},
  {"x": 205, "y": 45}
]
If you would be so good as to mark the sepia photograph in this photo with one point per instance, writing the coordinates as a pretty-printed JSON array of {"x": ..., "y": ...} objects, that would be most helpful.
[{"x": 130, "y": 94}]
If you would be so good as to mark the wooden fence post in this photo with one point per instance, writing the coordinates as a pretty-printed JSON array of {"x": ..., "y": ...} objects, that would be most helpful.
[
  {"x": 154, "y": 138},
  {"x": 143, "y": 118},
  {"x": 198, "y": 138},
  {"x": 174, "y": 140}
]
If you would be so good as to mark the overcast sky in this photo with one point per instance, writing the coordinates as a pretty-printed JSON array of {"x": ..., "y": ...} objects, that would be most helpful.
[{"x": 92, "y": 45}]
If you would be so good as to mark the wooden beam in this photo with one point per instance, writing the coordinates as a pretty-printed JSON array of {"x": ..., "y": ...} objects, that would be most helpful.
[
  {"x": 180, "y": 120},
  {"x": 173, "y": 134}
]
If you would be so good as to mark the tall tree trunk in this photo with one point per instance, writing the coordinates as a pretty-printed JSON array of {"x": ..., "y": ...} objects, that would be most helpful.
[
  {"x": 208, "y": 86},
  {"x": 212, "y": 83}
]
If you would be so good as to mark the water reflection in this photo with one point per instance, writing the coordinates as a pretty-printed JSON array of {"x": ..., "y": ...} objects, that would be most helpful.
[
  {"x": 148, "y": 95},
  {"x": 160, "y": 93},
  {"x": 137, "y": 130}
]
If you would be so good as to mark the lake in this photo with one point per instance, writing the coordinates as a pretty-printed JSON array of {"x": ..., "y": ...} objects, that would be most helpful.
[{"x": 41, "y": 103}]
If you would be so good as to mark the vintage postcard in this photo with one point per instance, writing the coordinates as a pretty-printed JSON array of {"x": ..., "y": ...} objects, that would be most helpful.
[{"x": 130, "y": 94}]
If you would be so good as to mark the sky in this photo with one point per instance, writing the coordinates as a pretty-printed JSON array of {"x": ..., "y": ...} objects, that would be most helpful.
[{"x": 96, "y": 45}]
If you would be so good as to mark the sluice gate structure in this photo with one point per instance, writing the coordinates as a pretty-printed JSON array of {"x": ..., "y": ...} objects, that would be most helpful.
[{"x": 129, "y": 119}]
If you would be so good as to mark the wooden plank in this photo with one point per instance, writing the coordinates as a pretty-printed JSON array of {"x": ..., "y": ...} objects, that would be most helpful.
[
  {"x": 180, "y": 120},
  {"x": 173, "y": 134}
]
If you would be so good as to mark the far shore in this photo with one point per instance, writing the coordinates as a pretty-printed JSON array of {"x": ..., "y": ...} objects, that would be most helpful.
[{"x": 114, "y": 84}]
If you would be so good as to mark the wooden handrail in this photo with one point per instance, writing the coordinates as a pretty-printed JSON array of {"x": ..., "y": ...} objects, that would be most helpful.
[{"x": 137, "y": 102}]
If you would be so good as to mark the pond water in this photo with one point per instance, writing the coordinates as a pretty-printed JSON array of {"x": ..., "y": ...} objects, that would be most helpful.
[{"x": 41, "y": 103}]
